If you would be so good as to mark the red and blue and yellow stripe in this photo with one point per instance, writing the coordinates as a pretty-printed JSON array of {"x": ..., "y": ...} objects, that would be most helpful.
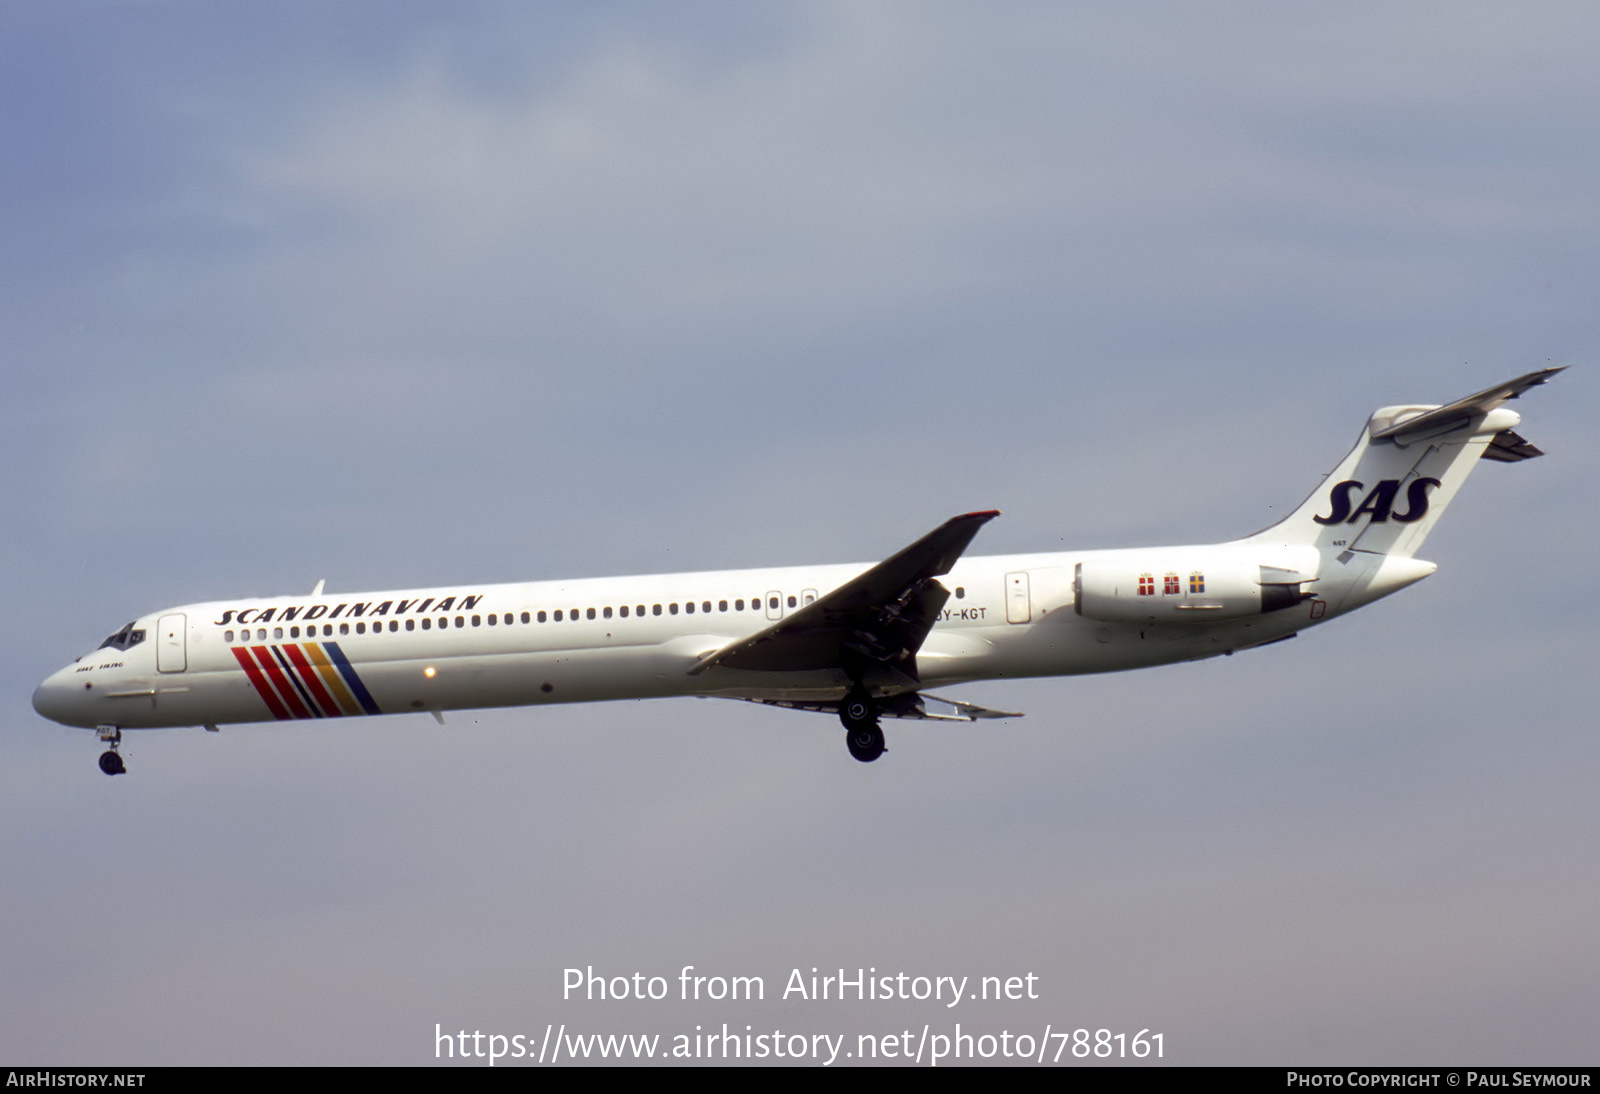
[{"x": 305, "y": 680}]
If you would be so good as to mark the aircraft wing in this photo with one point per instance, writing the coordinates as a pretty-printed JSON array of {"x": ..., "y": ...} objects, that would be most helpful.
[
  {"x": 877, "y": 619},
  {"x": 906, "y": 705}
]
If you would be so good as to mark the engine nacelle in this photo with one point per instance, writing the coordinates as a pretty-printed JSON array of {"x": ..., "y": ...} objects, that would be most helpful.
[{"x": 1172, "y": 589}]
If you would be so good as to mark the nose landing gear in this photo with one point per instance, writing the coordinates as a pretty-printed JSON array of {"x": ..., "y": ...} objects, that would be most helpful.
[
  {"x": 862, "y": 736},
  {"x": 110, "y": 759}
]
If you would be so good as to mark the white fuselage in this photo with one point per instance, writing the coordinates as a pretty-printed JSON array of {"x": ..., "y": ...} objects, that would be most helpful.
[
  {"x": 471, "y": 646},
  {"x": 859, "y": 641}
]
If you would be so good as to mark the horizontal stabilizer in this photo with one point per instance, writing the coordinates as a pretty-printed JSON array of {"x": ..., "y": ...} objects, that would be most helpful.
[
  {"x": 1509, "y": 447},
  {"x": 1387, "y": 494},
  {"x": 1442, "y": 419}
]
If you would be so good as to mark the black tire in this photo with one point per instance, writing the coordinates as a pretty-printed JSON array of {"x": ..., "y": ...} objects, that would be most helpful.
[
  {"x": 111, "y": 764},
  {"x": 858, "y": 709},
  {"x": 865, "y": 742}
]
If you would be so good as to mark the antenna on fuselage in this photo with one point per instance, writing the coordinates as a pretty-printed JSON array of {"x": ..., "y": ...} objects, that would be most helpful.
[{"x": 320, "y": 583}]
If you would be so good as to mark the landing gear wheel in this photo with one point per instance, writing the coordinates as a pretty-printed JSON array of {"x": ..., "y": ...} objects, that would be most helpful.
[
  {"x": 858, "y": 709},
  {"x": 865, "y": 742},
  {"x": 110, "y": 762}
]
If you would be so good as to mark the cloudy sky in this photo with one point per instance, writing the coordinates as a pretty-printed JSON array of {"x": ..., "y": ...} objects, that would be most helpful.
[{"x": 406, "y": 294}]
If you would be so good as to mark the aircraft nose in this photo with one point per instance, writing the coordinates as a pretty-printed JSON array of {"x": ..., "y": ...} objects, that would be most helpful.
[{"x": 57, "y": 699}]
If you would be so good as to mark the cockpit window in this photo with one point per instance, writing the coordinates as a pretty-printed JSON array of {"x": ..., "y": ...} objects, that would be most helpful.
[{"x": 126, "y": 638}]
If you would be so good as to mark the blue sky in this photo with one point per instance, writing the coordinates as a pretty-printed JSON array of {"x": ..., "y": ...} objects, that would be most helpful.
[{"x": 411, "y": 294}]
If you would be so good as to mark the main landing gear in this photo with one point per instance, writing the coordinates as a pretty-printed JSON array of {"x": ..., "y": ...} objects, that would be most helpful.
[
  {"x": 110, "y": 759},
  {"x": 862, "y": 736}
]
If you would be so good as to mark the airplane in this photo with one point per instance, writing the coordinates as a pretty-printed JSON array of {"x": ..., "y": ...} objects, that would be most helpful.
[{"x": 861, "y": 642}]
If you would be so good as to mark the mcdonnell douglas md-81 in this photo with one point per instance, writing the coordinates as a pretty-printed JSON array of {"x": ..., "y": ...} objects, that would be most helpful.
[{"x": 857, "y": 641}]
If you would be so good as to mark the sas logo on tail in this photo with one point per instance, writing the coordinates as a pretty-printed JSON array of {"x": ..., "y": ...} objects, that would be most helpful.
[{"x": 1379, "y": 502}]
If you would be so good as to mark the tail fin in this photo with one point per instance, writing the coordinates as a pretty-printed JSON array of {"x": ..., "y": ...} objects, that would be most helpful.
[{"x": 1386, "y": 495}]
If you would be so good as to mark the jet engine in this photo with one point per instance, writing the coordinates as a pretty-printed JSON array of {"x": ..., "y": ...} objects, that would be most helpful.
[{"x": 1145, "y": 590}]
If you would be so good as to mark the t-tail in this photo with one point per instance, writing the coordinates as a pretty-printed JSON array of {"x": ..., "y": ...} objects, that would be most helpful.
[{"x": 1372, "y": 512}]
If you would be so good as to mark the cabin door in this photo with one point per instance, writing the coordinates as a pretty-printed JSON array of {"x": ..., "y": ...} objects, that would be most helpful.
[{"x": 171, "y": 652}]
